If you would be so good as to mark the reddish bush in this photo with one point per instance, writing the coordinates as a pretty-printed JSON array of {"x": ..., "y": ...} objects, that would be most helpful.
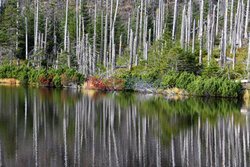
[
  {"x": 65, "y": 80},
  {"x": 74, "y": 79},
  {"x": 43, "y": 81}
]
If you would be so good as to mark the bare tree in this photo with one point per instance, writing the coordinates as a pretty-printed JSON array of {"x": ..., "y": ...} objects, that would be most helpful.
[
  {"x": 247, "y": 18},
  {"x": 94, "y": 41},
  {"x": 201, "y": 30},
  {"x": 66, "y": 25},
  {"x": 217, "y": 18},
  {"x": 248, "y": 59},
  {"x": 223, "y": 60},
  {"x": 193, "y": 42},
  {"x": 231, "y": 21},
  {"x": 183, "y": 22},
  {"x": 36, "y": 25},
  {"x": 131, "y": 49},
  {"x": 106, "y": 37},
  {"x": 120, "y": 47},
  {"x": 46, "y": 34},
  {"x": 136, "y": 36},
  {"x": 175, "y": 20},
  {"x": 26, "y": 39}
]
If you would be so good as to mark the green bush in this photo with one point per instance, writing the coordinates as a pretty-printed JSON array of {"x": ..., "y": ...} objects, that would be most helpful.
[
  {"x": 57, "y": 80},
  {"x": 184, "y": 79},
  {"x": 169, "y": 79},
  {"x": 30, "y": 75}
]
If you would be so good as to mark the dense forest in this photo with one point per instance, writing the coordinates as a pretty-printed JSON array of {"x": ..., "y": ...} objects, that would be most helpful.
[{"x": 145, "y": 39}]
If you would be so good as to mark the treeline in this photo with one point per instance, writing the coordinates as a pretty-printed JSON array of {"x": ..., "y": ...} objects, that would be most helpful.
[{"x": 95, "y": 40}]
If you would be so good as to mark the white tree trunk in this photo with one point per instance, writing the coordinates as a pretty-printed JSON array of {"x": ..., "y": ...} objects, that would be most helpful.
[
  {"x": 175, "y": 20},
  {"x": 26, "y": 39},
  {"x": 231, "y": 21},
  {"x": 94, "y": 42},
  {"x": 183, "y": 27},
  {"x": 36, "y": 26},
  {"x": 65, "y": 26},
  {"x": 131, "y": 50},
  {"x": 120, "y": 47},
  {"x": 136, "y": 36},
  {"x": 46, "y": 34},
  {"x": 193, "y": 42},
  {"x": 140, "y": 34},
  {"x": 248, "y": 59},
  {"x": 218, "y": 17},
  {"x": 105, "y": 41},
  {"x": 225, "y": 35},
  {"x": 201, "y": 30},
  {"x": 247, "y": 18}
]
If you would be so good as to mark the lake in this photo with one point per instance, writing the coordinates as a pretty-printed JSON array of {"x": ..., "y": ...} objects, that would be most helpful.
[{"x": 69, "y": 127}]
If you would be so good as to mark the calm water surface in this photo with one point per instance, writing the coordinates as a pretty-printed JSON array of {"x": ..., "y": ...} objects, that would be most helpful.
[{"x": 53, "y": 127}]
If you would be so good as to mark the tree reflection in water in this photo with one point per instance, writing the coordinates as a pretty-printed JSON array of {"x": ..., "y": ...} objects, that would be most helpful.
[{"x": 54, "y": 127}]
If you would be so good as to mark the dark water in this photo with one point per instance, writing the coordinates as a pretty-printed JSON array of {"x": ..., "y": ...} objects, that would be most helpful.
[{"x": 45, "y": 127}]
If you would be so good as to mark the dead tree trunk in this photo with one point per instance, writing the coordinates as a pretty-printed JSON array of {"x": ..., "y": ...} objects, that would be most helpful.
[
  {"x": 101, "y": 52},
  {"x": 26, "y": 39},
  {"x": 231, "y": 21},
  {"x": 94, "y": 42},
  {"x": 248, "y": 59},
  {"x": 217, "y": 18},
  {"x": 247, "y": 17},
  {"x": 113, "y": 38},
  {"x": 183, "y": 27},
  {"x": 120, "y": 47},
  {"x": 46, "y": 34},
  {"x": 131, "y": 50},
  {"x": 136, "y": 36},
  {"x": 201, "y": 31},
  {"x": 105, "y": 41},
  {"x": 193, "y": 42},
  {"x": 223, "y": 61},
  {"x": 36, "y": 26},
  {"x": 140, "y": 34},
  {"x": 175, "y": 20},
  {"x": 66, "y": 25}
]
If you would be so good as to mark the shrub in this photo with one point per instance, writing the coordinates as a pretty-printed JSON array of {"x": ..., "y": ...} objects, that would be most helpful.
[
  {"x": 184, "y": 79},
  {"x": 169, "y": 79},
  {"x": 65, "y": 80},
  {"x": 57, "y": 81}
]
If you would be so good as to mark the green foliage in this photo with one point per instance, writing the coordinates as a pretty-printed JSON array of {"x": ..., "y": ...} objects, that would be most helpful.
[
  {"x": 57, "y": 80},
  {"x": 184, "y": 79},
  {"x": 202, "y": 86},
  {"x": 215, "y": 87},
  {"x": 212, "y": 70},
  {"x": 169, "y": 79},
  {"x": 29, "y": 75}
]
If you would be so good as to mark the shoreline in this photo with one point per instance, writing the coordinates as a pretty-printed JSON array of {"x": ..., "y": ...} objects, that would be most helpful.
[{"x": 172, "y": 93}]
